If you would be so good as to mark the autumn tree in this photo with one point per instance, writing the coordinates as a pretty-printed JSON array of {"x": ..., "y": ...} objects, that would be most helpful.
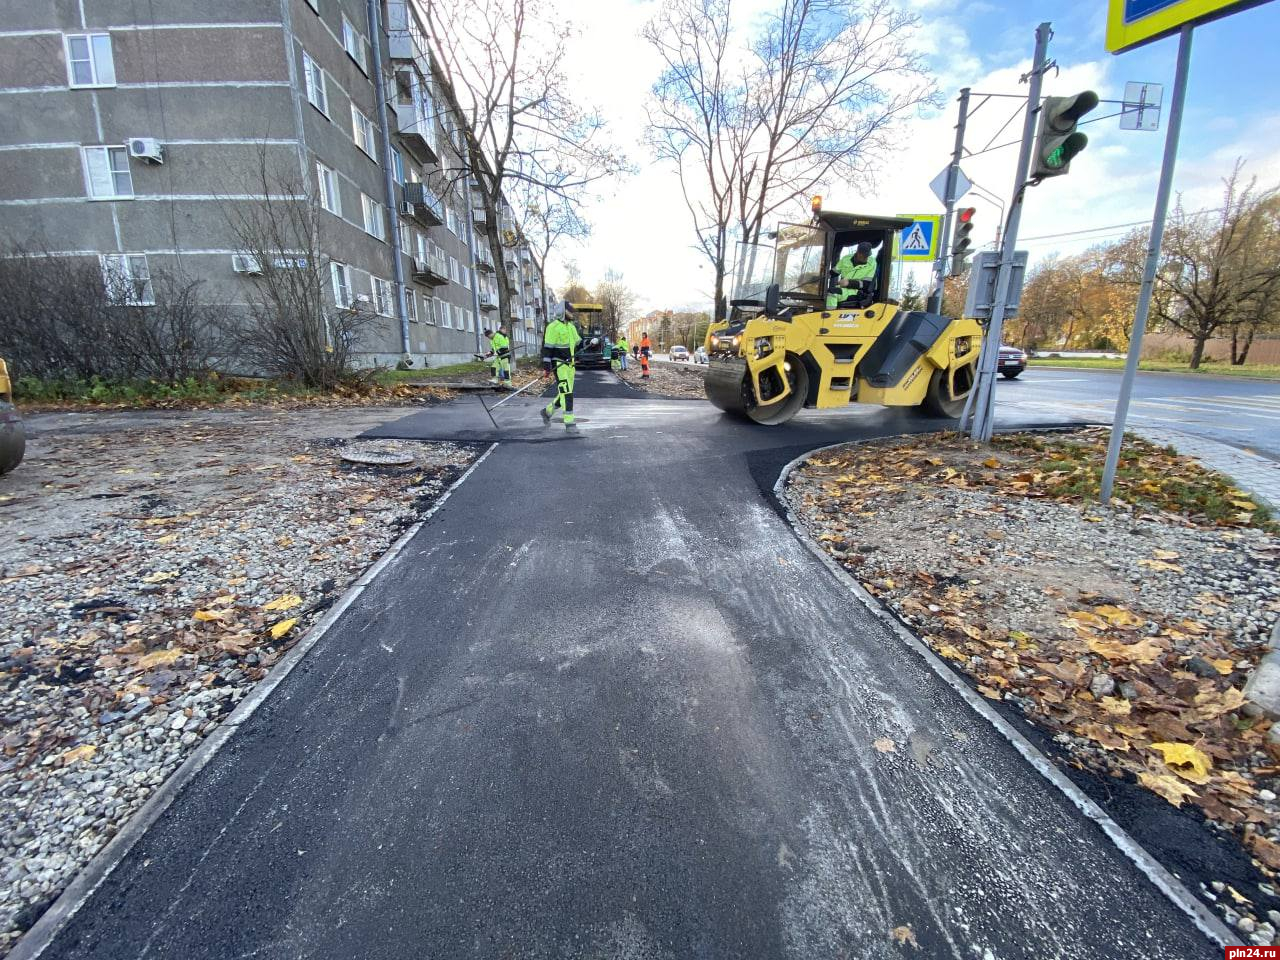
[
  {"x": 500, "y": 66},
  {"x": 618, "y": 300},
  {"x": 756, "y": 114}
]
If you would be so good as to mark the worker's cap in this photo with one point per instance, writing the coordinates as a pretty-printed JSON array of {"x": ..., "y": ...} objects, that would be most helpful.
[
  {"x": 864, "y": 247},
  {"x": 568, "y": 308},
  {"x": 487, "y": 332}
]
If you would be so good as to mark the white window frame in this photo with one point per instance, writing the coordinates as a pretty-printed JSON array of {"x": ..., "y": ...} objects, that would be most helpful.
[
  {"x": 466, "y": 276},
  {"x": 354, "y": 42},
  {"x": 100, "y": 157},
  {"x": 101, "y": 60},
  {"x": 383, "y": 300},
  {"x": 343, "y": 295},
  {"x": 451, "y": 221},
  {"x": 453, "y": 269},
  {"x": 375, "y": 221},
  {"x": 362, "y": 133},
  {"x": 411, "y": 304},
  {"x": 330, "y": 191},
  {"x": 132, "y": 269},
  {"x": 446, "y": 314},
  {"x": 397, "y": 165},
  {"x": 316, "y": 83}
]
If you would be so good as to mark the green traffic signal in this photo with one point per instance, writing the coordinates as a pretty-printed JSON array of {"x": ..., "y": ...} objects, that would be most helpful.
[
  {"x": 1057, "y": 140},
  {"x": 1062, "y": 154}
]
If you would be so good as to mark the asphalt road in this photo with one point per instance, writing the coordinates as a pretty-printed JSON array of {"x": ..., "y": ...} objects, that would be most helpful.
[
  {"x": 1242, "y": 413},
  {"x": 606, "y": 705}
]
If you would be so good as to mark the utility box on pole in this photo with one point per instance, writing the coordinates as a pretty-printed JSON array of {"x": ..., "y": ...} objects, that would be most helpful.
[{"x": 982, "y": 284}]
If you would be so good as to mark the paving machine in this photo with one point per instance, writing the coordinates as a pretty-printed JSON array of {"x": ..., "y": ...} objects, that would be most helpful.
[
  {"x": 13, "y": 441},
  {"x": 783, "y": 348},
  {"x": 595, "y": 349}
]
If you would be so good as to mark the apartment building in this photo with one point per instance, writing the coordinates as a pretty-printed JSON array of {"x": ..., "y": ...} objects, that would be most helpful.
[{"x": 132, "y": 141}]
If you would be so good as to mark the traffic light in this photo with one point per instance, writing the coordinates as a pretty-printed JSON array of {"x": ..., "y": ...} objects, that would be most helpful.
[
  {"x": 960, "y": 241},
  {"x": 1057, "y": 139}
]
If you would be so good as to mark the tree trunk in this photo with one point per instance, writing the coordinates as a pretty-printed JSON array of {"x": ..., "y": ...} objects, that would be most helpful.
[
  {"x": 1244, "y": 351},
  {"x": 1235, "y": 340},
  {"x": 1197, "y": 351}
]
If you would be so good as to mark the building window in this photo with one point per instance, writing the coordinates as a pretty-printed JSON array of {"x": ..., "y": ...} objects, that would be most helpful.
[
  {"x": 341, "y": 284},
  {"x": 375, "y": 224},
  {"x": 453, "y": 269},
  {"x": 330, "y": 199},
  {"x": 355, "y": 44},
  {"x": 411, "y": 305},
  {"x": 382, "y": 296},
  {"x": 446, "y": 314},
  {"x": 89, "y": 60},
  {"x": 317, "y": 94},
  {"x": 466, "y": 278},
  {"x": 362, "y": 132},
  {"x": 106, "y": 173},
  {"x": 451, "y": 222},
  {"x": 397, "y": 165},
  {"x": 424, "y": 247},
  {"x": 428, "y": 310},
  {"x": 127, "y": 280}
]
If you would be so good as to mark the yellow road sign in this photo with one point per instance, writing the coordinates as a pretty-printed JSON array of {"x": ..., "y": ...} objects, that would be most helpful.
[
  {"x": 918, "y": 242},
  {"x": 1131, "y": 23}
]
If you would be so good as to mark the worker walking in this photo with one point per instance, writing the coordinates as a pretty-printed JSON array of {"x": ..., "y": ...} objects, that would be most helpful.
[
  {"x": 623, "y": 349},
  {"x": 857, "y": 265},
  {"x": 559, "y": 345}
]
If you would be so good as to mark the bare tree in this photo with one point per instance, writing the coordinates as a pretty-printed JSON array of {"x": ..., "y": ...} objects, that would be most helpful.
[
  {"x": 294, "y": 327},
  {"x": 754, "y": 123},
  {"x": 547, "y": 222},
  {"x": 500, "y": 63},
  {"x": 1216, "y": 267},
  {"x": 618, "y": 300}
]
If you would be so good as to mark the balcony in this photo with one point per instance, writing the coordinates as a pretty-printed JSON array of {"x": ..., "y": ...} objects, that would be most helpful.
[
  {"x": 406, "y": 40},
  {"x": 433, "y": 270},
  {"x": 484, "y": 259},
  {"x": 488, "y": 300},
  {"x": 417, "y": 131},
  {"x": 479, "y": 216},
  {"x": 428, "y": 209}
]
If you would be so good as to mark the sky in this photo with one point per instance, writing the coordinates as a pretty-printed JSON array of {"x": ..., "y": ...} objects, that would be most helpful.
[{"x": 642, "y": 230}]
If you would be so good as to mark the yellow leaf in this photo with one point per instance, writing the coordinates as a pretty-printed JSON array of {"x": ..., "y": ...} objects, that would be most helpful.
[
  {"x": 1118, "y": 616},
  {"x": 1165, "y": 554},
  {"x": 1116, "y": 706},
  {"x": 1171, "y": 788},
  {"x": 1186, "y": 761},
  {"x": 355, "y": 521},
  {"x": 167, "y": 538},
  {"x": 158, "y": 521},
  {"x": 284, "y": 542},
  {"x": 951, "y": 653},
  {"x": 284, "y": 602},
  {"x": 283, "y": 627},
  {"x": 1161, "y": 565},
  {"x": 903, "y": 936},
  {"x": 1244, "y": 504},
  {"x": 160, "y": 576},
  {"x": 1224, "y": 667},
  {"x": 83, "y": 752},
  {"x": 207, "y": 615},
  {"x": 1085, "y": 619},
  {"x": 1144, "y": 651},
  {"x": 884, "y": 745},
  {"x": 158, "y": 658},
  {"x": 1211, "y": 704},
  {"x": 991, "y": 462}
]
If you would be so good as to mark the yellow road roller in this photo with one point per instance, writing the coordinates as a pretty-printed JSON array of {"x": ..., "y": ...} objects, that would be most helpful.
[
  {"x": 804, "y": 333},
  {"x": 13, "y": 441}
]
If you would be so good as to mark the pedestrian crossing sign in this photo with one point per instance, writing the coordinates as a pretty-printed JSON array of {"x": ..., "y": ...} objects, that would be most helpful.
[{"x": 919, "y": 242}]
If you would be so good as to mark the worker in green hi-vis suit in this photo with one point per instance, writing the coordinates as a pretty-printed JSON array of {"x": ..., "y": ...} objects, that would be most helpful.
[
  {"x": 559, "y": 345},
  {"x": 857, "y": 265}
]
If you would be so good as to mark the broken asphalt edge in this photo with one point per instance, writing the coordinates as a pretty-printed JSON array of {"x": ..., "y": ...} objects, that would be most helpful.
[
  {"x": 42, "y": 933},
  {"x": 1163, "y": 879}
]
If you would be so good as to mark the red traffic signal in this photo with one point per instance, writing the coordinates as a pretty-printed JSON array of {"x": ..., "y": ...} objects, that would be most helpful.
[{"x": 965, "y": 214}]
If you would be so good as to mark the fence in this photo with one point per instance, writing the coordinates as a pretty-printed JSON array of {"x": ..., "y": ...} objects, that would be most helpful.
[{"x": 1156, "y": 345}]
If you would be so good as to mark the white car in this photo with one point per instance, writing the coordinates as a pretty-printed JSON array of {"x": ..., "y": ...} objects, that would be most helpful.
[
  {"x": 700, "y": 355},
  {"x": 679, "y": 353}
]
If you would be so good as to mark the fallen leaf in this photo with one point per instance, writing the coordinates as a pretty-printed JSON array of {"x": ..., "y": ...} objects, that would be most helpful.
[
  {"x": 1165, "y": 554},
  {"x": 1144, "y": 651},
  {"x": 1186, "y": 761},
  {"x": 1116, "y": 706},
  {"x": 1171, "y": 788},
  {"x": 83, "y": 752},
  {"x": 283, "y": 627},
  {"x": 157, "y": 658},
  {"x": 167, "y": 538},
  {"x": 285, "y": 602},
  {"x": 1118, "y": 616},
  {"x": 355, "y": 521},
  {"x": 991, "y": 462},
  {"x": 903, "y": 936},
  {"x": 884, "y": 745},
  {"x": 1265, "y": 850},
  {"x": 208, "y": 615},
  {"x": 159, "y": 576}
]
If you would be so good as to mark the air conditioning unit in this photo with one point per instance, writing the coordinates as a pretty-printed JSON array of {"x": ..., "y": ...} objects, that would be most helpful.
[
  {"x": 363, "y": 298},
  {"x": 407, "y": 209},
  {"x": 243, "y": 263},
  {"x": 145, "y": 148}
]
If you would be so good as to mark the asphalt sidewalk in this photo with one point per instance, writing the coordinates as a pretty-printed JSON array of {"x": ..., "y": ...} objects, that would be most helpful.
[{"x": 606, "y": 704}]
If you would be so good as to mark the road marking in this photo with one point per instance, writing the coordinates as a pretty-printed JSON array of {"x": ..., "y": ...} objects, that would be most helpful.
[{"x": 1207, "y": 406}]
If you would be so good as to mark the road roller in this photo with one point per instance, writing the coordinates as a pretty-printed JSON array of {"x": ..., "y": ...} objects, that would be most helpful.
[
  {"x": 802, "y": 333},
  {"x": 13, "y": 441}
]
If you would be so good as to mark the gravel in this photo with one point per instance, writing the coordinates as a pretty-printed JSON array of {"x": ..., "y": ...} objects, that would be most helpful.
[
  {"x": 144, "y": 564},
  {"x": 682, "y": 380}
]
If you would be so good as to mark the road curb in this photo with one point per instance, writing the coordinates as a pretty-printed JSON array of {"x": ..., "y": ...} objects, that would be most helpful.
[
  {"x": 1164, "y": 880},
  {"x": 1157, "y": 373},
  {"x": 34, "y": 942}
]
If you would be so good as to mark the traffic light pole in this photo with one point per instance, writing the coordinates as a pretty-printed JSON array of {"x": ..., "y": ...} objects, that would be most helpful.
[
  {"x": 940, "y": 264},
  {"x": 984, "y": 391},
  {"x": 1153, "y": 262}
]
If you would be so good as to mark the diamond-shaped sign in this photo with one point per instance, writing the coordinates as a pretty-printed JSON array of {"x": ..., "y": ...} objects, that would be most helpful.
[{"x": 939, "y": 184}]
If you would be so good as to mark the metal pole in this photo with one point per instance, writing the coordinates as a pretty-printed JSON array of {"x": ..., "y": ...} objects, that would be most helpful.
[
  {"x": 1153, "y": 262},
  {"x": 471, "y": 250},
  {"x": 984, "y": 402},
  {"x": 388, "y": 175},
  {"x": 940, "y": 264}
]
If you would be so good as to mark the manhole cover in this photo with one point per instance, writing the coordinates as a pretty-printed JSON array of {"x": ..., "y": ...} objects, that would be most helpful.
[{"x": 376, "y": 457}]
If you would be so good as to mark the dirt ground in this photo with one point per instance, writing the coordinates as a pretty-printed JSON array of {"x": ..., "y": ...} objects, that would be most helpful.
[{"x": 683, "y": 380}]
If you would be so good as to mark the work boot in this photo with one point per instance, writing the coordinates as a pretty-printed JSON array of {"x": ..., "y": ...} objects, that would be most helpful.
[{"x": 546, "y": 415}]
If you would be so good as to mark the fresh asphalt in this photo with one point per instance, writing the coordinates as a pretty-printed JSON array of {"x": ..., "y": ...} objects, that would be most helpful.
[{"x": 606, "y": 705}]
